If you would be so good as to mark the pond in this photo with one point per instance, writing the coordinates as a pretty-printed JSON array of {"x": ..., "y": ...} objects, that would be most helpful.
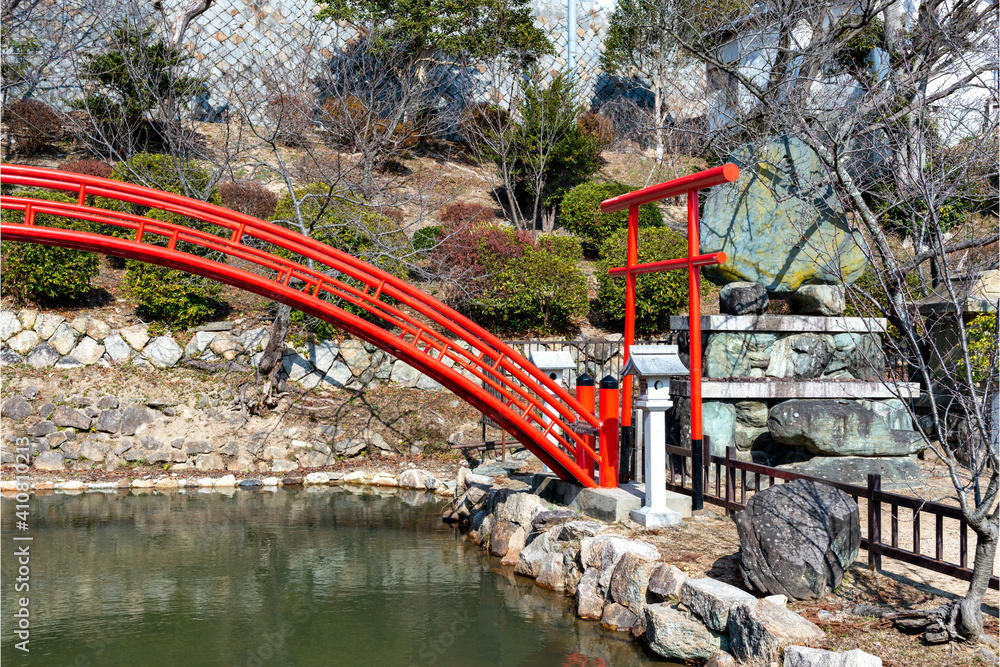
[{"x": 304, "y": 577}]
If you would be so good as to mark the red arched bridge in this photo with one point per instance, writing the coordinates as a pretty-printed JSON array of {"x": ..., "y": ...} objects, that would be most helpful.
[{"x": 400, "y": 319}]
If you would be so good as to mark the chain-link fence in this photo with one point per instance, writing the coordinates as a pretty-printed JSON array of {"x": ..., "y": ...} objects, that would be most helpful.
[{"x": 241, "y": 44}]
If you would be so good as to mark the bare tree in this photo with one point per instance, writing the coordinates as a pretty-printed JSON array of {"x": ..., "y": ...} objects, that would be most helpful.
[{"x": 900, "y": 108}]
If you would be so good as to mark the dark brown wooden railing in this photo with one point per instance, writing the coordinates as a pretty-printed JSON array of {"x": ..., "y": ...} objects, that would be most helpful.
[{"x": 731, "y": 479}]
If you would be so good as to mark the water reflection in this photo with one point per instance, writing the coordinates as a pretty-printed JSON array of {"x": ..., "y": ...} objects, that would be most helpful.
[{"x": 308, "y": 577}]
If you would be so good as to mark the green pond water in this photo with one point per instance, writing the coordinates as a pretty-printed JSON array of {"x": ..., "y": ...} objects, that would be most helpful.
[{"x": 307, "y": 577}]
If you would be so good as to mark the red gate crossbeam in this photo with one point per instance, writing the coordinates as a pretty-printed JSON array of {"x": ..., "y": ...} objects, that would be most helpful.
[
  {"x": 686, "y": 185},
  {"x": 533, "y": 404}
]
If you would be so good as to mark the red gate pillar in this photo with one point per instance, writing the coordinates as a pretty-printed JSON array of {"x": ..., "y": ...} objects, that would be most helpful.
[
  {"x": 609, "y": 433},
  {"x": 585, "y": 394}
]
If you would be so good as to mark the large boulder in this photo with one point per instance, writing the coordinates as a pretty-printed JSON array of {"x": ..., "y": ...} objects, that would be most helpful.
[
  {"x": 780, "y": 224},
  {"x": 677, "y": 636},
  {"x": 898, "y": 472},
  {"x": 743, "y": 298},
  {"x": 803, "y": 355},
  {"x": 711, "y": 600},
  {"x": 629, "y": 582},
  {"x": 839, "y": 428},
  {"x": 798, "y": 538},
  {"x": 731, "y": 354},
  {"x": 604, "y": 551},
  {"x": 803, "y": 656},
  {"x": 759, "y": 631}
]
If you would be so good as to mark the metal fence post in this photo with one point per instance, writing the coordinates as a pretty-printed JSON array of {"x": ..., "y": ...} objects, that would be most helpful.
[
  {"x": 730, "y": 478},
  {"x": 874, "y": 522}
]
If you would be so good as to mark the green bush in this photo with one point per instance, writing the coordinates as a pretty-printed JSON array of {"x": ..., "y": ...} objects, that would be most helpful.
[
  {"x": 581, "y": 212},
  {"x": 658, "y": 295},
  {"x": 982, "y": 337},
  {"x": 426, "y": 238},
  {"x": 512, "y": 283},
  {"x": 47, "y": 273},
  {"x": 344, "y": 222},
  {"x": 168, "y": 295}
]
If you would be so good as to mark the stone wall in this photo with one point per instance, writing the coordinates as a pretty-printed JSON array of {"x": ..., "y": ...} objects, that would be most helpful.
[{"x": 43, "y": 340}]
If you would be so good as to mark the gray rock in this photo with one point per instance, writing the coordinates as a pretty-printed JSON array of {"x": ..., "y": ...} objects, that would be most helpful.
[
  {"x": 209, "y": 462},
  {"x": 9, "y": 357},
  {"x": 552, "y": 573},
  {"x": 118, "y": 350},
  {"x": 589, "y": 601},
  {"x": 16, "y": 408},
  {"x": 27, "y": 316},
  {"x": 23, "y": 342},
  {"x": 733, "y": 354},
  {"x": 107, "y": 402},
  {"x": 721, "y": 659},
  {"x": 751, "y": 413},
  {"x": 87, "y": 351},
  {"x": 618, "y": 618},
  {"x": 719, "y": 423},
  {"x": 296, "y": 366},
  {"x": 323, "y": 355},
  {"x": 547, "y": 519},
  {"x": 404, "y": 375},
  {"x": 665, "y": 582},
  {"x": 136, "y": 336},
  {"x": 92, "y": 451},
  {"x": 417, "y": 479},
  {"x": 758, "y": 632},
  {"x": 604, "y": 552},
  {"x": 348, "y": 448},
  {"x": 898, "y": 472},
  {"x": 43, "y": 356},
  {"x": 629, "y": 581},
  {"x": 47, "y": 324},
  {"x": 426, "y": 383},
  {"x": 867, "y": 359},
  {"x": 98, "y": 329},
  {"x": 46, "y": 409},
  {"x": 41, "y": 429},
  {"x": 68, "y": 362},
  {"x": 677, "y": 636},
  {"x": 50, "y": 460},
  {"x": 163, "y": 352},
  {"x": 31, "y": 393},
  {"x": 742, "y": 298},
  {"x": 802, "y": 656},
  {"x": 9, "y": 324},
  {"x": 133, "y": 418},
  {"x": 198, "y": 447},
  {"x": 64, "y": 339},
  {"x": 711, "y": 600},
  {"x": 109, "y": 421},
  {"x": 521, "y": 508},
  {"x": 504, "y": 537},
  {"x": 355, "y": 356},
  {"x": 803, "y": 355},
  {"x": 839, "y": 428},
  {"x": 313, "y": 460},
  {"x": 254, "y": 340},
  {"x": 226, "y": 346},
  {"x": 67, "y": 416},
  {"x": 781, "y": 223},
  {"x": 529, "y": 561},
  {"x": 163, "y": 455},
  {"x": 826, "y": 300},
  {"x": 339, "y": 375},
  {"x": 797, "y": 539}
]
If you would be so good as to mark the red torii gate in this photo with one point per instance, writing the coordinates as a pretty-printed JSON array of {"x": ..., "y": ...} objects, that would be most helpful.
[{"x": 689, "y": 185}]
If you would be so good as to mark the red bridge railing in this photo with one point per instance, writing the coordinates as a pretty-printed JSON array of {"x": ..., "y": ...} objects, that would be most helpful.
[{"x": 402, "y": 320}]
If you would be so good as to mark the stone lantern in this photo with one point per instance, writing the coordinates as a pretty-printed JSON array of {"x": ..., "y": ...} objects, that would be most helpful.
[
  {"x": 654, "y": 366},
  {"x": 556, "y": 365}
]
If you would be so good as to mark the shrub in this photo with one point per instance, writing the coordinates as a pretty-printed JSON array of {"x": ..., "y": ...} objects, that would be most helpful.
[
  {"x": 510, "y": 283},
  {"x": 353, "y": 125},
  {"x": 249, "y": 198},
  {"x": 483, "y": 120},
  {"x": 88, "y": 168},
  {"x": 982, "y": 336},
  {"x": 581, "y": 212},
  {"x": 292, "y": 118},
  {"x": 463, "y": 213},
  {"x": 33, "y": 124},
  {"x": 47, "y": 273},
  {"x": 426, "y": 238},
  {"x": 658, "y": 295},
  {"x": 391, "y": 212},
  {"x": 597, "y": 125},
  {"x": 168, "y": 295}
]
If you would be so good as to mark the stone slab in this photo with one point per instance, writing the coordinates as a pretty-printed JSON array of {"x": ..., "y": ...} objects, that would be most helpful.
[
  {"x": 678, "y": 502},
  {"x": 650, "y": 519},
  {"x": 603, "y": 504},
  {"x": 858, "y": 389},
  {"x": 789, "y": 323}
]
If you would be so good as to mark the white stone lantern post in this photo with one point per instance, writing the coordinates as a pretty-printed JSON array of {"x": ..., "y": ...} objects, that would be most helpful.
[
  {"x": 654, "y": 366},
  {"x": 557, "y": 366}
]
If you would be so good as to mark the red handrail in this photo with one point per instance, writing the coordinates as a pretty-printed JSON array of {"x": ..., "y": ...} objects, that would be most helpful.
[{"x": 413, "y": 326}]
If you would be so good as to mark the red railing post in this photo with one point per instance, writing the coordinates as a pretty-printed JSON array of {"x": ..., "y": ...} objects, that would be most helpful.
[
  {"x": 694, "y": 331},
  {"x": 585, "y": 393},
  {"x": 609, "y": 432},
  {"x": 631, "y": 259}
]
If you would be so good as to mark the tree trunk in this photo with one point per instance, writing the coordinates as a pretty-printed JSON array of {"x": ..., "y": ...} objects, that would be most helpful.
[
  {"x": 270, "y": 362},
  {"x": 970, "y": 618}
]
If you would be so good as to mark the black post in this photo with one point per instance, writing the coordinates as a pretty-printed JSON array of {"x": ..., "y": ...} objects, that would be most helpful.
[
  {"x": 626, "y": 454},
  {"x": 697, "y": 476}
]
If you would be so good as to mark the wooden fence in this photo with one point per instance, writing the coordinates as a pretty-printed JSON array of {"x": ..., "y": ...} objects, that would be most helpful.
[{"x": 732, "y": 478}]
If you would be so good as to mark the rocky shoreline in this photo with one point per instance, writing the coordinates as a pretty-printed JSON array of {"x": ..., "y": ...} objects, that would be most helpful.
[{"x": 625, "y": 585}]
